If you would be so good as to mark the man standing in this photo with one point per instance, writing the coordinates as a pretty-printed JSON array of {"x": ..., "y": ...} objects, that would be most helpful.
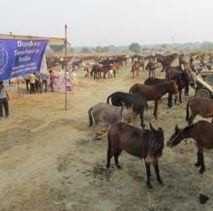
[{"x": 3, "y": 101}]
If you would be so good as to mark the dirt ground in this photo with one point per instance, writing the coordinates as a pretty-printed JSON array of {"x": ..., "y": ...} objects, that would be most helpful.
[{"x": 49, "y": 161}]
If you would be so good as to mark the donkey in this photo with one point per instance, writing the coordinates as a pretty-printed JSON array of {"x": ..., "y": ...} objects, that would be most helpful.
[
  {"x": 201, "y": 132},
  {"x": 137, "y": 102},
  {"x": 199, "y": 106},
  {"x": 103, "y": 115},
  {"x": 155, "y": 92},
  {"x": 145, "y": 144}
]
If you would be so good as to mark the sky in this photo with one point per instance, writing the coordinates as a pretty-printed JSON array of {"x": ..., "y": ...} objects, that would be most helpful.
[{"x": 111, "y": 22}]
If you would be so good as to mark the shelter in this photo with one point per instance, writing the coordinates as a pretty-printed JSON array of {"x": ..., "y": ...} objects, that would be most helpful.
[{"x": 51, "y": 40}]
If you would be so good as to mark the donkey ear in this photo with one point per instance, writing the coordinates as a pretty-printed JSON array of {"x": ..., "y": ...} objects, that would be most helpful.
[
  {"x": 151, "y": 127},
  {"x": 177, "y": 129},
  {"x": 160, "y": 130}
]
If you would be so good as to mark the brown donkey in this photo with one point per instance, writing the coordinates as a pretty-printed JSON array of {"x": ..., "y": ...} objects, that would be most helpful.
[
  {"x": 199, "y": 106},
  {"x": 155, "y": 92},
  {"x": 146, "y": 144},
  {"x": 201, "y": 132}
]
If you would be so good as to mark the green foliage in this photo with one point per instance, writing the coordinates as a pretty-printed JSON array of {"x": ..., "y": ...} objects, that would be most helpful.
[
  {"x": 71, "y": 50},
  {"x": 57, "y": 48},
  {"x": 85, "y": 50},
  {"x": 207, "y": 45},
  {"x": 164, "y": 46},
  {"x": 135, "y": 47},
  {"x": 99, "y": 49}
]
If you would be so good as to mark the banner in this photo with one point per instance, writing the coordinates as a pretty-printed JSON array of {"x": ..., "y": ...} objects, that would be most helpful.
[
  {"x": 44, "y": 68},
  {"x": 20, "y": 57}
]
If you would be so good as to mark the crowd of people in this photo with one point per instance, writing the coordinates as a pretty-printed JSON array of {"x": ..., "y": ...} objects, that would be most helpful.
[
  {"x": 38, "y": 82},
  {"x": 35, "y": 83}
]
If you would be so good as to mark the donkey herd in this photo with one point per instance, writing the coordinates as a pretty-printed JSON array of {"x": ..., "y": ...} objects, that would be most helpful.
[{"x": 117, "y": 113}]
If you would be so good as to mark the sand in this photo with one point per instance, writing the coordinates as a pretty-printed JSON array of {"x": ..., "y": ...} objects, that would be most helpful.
[{"x": 49, "y": 160}]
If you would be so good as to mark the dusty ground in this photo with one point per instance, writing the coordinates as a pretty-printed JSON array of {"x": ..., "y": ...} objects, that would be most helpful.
[{"x": 48, "y": 160}]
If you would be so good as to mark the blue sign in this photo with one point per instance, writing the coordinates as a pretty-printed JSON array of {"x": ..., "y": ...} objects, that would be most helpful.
[{"x": 20, "y": 57}]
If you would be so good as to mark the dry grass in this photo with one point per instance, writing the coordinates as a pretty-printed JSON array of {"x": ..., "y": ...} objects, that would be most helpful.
[{"x": 49, "y": 161}]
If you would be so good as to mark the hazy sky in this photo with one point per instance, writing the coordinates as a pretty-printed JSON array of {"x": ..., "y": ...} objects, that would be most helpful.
[{"x": 117, "y": 22}]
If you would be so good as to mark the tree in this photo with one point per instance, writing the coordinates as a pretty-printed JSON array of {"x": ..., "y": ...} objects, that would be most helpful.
[
  {"x": 100, "y": 49},
  {"x": 57, "y": 48},
  {"x": 164, "y": 46},
  {"x": 135, "y": 47},
  {"x": 206, "y": 45},
  {"x": 85, "y": 50}
]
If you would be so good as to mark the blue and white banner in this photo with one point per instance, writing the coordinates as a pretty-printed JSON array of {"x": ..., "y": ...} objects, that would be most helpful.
[{"x": 20, "y": 57}]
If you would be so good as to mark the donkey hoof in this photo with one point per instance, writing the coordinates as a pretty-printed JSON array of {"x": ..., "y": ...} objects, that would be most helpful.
[
  {"x": 197, "y": 164},
  {"x": 118, "y": 166},
  {"x": 149, "y": 186},
  {"x": 143, "y": 126},
  {"x": 201, "y": 171},
  {"x": 160, "y": 182}
]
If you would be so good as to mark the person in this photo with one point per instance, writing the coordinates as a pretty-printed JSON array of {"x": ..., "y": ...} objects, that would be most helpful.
[
  {"x": 52, "y": 79},
  {"x": 44, "y": 81},
  {"x": 32, "y": 79},
  {"x": 39, "y": 83},
  {"x": 4, "y": 97},
  {"x": 27, "y": 81}
]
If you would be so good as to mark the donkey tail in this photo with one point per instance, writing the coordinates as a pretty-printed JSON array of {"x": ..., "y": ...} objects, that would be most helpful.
[
  {"x": 187, "y": 111},
  {"x": 109, "y": 98},
  {"x": 90, "y": 117}
]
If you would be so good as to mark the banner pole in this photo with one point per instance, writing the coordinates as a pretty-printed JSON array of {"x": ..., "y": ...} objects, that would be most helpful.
[{"x": 65, "y": 71}]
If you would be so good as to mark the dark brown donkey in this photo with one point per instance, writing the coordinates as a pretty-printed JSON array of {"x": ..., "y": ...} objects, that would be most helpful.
[
  {"x": 201, "y": 132},
  {"x": 199, "y": 106},
  {"x": 155, "y": 92},
  {"x": 146, "y": 144}
]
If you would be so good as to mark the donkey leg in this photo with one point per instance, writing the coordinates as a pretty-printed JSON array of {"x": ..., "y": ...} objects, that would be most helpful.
[
  {"x": 191, "y": 118},
  {"x": 180, "y": 98},
  {"x": 156, "y": 109},
  {"x": 109, "y": 152},
  {"x": 116, "y": 155},
  {"x": 148, "y": 174},
  {"x": 203, "y": 168},
  {"x": 109, "y": 156},
  {"x": 170, "y": 100},
  {"x": 141, "y": 117},
  {"x": 186, "y": 91},
  {"x": 157, "y": 172},
  {"x": 198, "y": 163}
]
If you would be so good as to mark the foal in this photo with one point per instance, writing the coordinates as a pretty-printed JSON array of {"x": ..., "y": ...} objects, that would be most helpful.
[
  {"x": 145, "y": 144},
  {"x": 201, "y": 132}
]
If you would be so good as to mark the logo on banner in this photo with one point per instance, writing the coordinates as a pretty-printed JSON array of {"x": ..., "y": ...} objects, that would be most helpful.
[{"x": 3, "y": 57}]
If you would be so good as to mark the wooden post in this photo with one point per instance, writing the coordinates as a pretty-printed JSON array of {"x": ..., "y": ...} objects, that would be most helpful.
[{"x": 65, "y": 71}]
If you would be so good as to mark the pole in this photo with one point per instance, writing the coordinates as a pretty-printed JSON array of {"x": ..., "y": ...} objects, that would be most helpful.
[{"x": 65, "y": 71}]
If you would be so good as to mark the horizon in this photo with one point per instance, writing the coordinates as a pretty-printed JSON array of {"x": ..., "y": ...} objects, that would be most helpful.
[{"x": 149, "y": 44}]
